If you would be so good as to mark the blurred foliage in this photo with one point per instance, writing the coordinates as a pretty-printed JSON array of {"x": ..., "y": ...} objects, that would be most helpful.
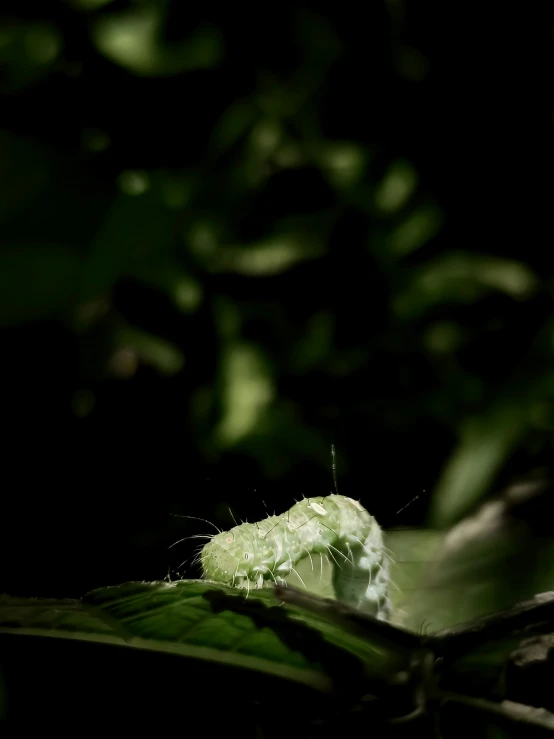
[{"x": 224, "y": 248}]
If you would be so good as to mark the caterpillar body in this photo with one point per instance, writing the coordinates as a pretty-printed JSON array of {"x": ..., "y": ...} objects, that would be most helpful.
[{"x": 252, "y": 555}]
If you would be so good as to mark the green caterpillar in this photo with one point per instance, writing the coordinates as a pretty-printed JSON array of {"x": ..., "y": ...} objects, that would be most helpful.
[{"x": 252, "y": 555}]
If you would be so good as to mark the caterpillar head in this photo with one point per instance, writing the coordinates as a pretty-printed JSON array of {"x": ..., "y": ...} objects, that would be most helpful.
[{"x": 225, "y": 559}]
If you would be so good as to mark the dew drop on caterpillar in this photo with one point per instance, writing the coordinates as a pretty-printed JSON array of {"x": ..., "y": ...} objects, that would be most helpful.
[{"x": 252, "y": 555}]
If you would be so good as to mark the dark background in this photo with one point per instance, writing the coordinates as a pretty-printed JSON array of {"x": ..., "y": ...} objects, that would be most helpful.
[{"x": 230, "y": 238}]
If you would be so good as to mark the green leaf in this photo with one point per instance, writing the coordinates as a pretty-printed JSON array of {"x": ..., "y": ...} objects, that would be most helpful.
[
  {"x": 26, "y": 171},
  {"x": 206, "y": 622},
  {"x": 152, "y": 350},
  {"x": 247, "y": 391},
  {"x": 133, "y": 39},
  {"x": 28, "y": 52},
  {"x": 458, "y": 276},
  {"x": 134, "y": 229},
  {"x": 416, "y": 230},
  {"x": 274, "y": 255},
  {"x": 224, "y": 638},
  {"x": 485, "y": 443},
  {"x": 37, "y": 282},
  {"x": 396, "y": 187},
  {"x": 411, "y": 551},
  {"x": 486, "y": 563}
]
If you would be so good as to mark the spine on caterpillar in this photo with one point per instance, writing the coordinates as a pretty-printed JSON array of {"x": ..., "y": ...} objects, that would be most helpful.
[{"x": 254, "y": 554}]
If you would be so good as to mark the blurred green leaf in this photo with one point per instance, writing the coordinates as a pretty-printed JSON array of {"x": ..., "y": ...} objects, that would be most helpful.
[
  {"x": 152, "y": 350},
  {"x": 235, "y": 123},
  {"x": 37, "y": 282},
  {"x": 396, "y": 187},
  {"x": 185, "y": 291},
  {"x": 415, "y": 230},
  {"x": 342, "y": 162},
  {"x": 485, "y": 442},
  {"x": 315, "y": 344},
  {"x": 87, "y": 5},
  {"x": 133, "y": 40},
  {"x": 463, "y": 277},
  {"x": 275, "y": 255},
  {"x": 411, "y": 553},
  {"x": 486, "y": 563},
  {"x": 247, "y": 390},
  {"x": 444, "y": 337},
  {"x": 135, "y": 231},
  {"x": 24, "y": 174},
  {"x": 28, "y": 50}
]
